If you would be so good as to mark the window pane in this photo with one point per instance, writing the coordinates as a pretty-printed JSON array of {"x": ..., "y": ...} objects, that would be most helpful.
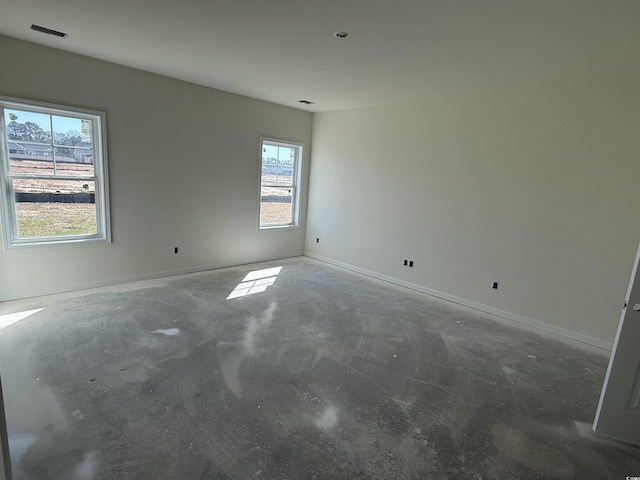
[
  {"x": 286, "y": 155},
  {"x": 285, "y": 172},
  {"x": 72, "y": 131},
  {"x": 64, "y": 154},
  {"x": 269, "y": 164},
  {"x": 277, "y": 165},
  {"x": 286, "y": 160},
  {"x": 27, "y": 127},
  {"x": 276, "y": 205},
  {"x": 74, "y": 162},
  {"x": 52, "y": 208}
]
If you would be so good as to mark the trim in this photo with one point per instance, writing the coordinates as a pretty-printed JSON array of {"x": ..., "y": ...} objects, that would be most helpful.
[
  {"x": 60, "y": 242},
  {"x": 149, "y": 276},
  {"x": 278, "y": 228},
  {"x": 605, "y": 384},
  {"x": 579, "y": 337}
]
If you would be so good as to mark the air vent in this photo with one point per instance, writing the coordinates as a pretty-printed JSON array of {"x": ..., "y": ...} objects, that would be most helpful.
[
  {"x": 48, "y": 31},
  {"x": 306, "y": 102}
]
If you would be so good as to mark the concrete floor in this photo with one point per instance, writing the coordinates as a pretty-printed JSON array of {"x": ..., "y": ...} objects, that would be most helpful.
[{"x": 325, "y": 374}]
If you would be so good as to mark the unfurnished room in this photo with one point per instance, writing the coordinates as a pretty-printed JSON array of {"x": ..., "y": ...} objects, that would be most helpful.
[{"x": 319, "y": 240}]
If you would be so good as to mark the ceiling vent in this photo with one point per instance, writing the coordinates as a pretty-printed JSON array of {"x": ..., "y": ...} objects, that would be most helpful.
[{"x": 48, "y": 31}]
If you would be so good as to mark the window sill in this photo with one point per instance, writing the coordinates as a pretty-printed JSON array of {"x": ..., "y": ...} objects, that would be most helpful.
[
  {"x": 278, "y": 227},
  {"x": 56, "y": 244}
]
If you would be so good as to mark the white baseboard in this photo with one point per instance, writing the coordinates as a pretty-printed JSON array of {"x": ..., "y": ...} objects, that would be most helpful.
[
  {"x": 546, "y": 327},
  {"x": 147, "y": 276},
  {"x": 562, "y": 332}
]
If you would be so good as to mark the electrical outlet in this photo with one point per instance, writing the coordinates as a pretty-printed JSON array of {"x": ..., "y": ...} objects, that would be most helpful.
[
  {"x": 175, "y": 249},
  {"x": 495, "y": 285},
  {"x": 317, "y": 240}
]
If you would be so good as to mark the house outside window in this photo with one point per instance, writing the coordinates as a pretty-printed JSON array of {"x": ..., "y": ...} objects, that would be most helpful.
[{"x": 53, "y": 174}]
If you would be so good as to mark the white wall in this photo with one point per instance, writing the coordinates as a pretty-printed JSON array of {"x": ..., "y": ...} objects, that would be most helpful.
[
  {"x": 535, "y": 187},
  {"x": 183, "y": 170}
]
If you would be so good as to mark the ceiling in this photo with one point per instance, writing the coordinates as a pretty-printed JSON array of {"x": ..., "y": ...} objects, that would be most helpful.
[{"x": 283, "y": 51}]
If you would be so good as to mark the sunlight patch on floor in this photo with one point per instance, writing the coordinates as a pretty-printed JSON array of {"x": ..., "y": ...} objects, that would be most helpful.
[
  {"x": 255, "y": 282},
  {"x": 11, "y": 318}
]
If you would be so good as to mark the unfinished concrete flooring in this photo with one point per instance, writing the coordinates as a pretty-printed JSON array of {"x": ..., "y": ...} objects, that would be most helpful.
[{"x": 316, "y": 373}]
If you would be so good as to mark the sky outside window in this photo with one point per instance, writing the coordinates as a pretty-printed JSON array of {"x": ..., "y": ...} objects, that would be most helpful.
[{"x": 61, "y": 124}]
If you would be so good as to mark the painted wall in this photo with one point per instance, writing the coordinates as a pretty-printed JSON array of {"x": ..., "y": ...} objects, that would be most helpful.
[
  {"x": 183, "y": 170},
  {"x": 535, "y": 187}
]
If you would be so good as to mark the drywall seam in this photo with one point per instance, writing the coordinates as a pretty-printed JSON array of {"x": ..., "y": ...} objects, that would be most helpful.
[
  {"x": 471, "y": 304},
  {"x": 149, "y": 276}
]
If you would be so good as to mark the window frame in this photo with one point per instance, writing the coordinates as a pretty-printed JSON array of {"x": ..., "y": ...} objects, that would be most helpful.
[
  {"x": 9, "y": 223},
  {"x": 296, "y": 185}
]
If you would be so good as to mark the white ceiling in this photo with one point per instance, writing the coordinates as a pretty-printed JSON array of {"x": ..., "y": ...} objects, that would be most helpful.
[{"x": 397, "y": 50}]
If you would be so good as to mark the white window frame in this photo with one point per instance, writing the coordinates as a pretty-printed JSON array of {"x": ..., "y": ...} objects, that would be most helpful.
[
  {"x": 11, "y": 238},
  {"x": 295, "y": 194}
]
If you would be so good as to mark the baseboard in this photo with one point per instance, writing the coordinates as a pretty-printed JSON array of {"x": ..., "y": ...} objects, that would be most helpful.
[
  {"x": 150, "y": 276},
  {"x": 562, "y": 332}
]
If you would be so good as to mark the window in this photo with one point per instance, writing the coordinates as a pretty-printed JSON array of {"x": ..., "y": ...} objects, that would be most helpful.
[
  {"x": 53, "y": 173},
  {"x": 279, "y": 179}
]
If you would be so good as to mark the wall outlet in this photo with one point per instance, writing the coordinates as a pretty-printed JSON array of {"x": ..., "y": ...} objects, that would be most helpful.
[
  {"x": 317, "y": 240},
  {"x": 495, "y": 285},
  {"x": 175, "y": 249}
]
